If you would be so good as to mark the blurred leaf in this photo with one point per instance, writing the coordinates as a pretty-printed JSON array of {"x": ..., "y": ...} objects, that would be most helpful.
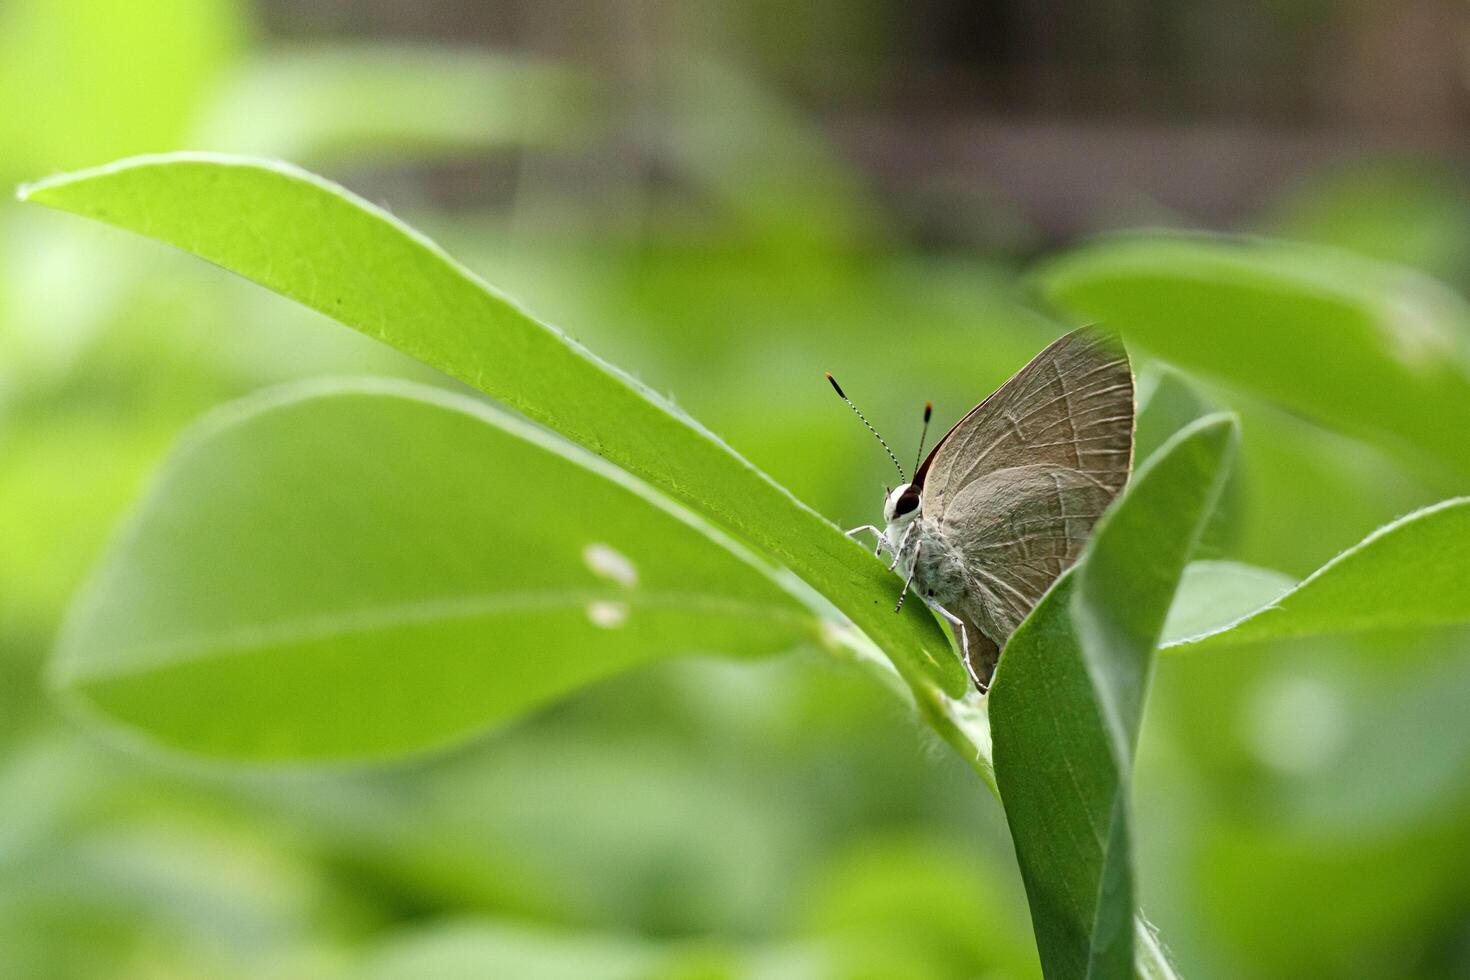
[
  {"x": 1308, "y": 492},
  {"x": 470, "y": 950},
  {"x": 1373, "y": 349},
  {"x": 936, "y": 903},
  {"x": 51, "y": 523},
  {"x": 1384, "y": 778},
  {"x": 1411, "y": 212},
  {"x": 1408, "y": 574},
  {"x": 1068, "y": 699},
  {"x": 322, "y": 103},
  {"x": 364, "y": 569},
  {"x": 1167, "y": 403},
  {"x": 1299, "y": 905},
  {"x": 121, "y": 870},
  {"x": 642, "y": 831},
  {"x": 315, "y": 243},
  {"x": 84, "y": 81},
  {"x": 1214, "y": 594}
]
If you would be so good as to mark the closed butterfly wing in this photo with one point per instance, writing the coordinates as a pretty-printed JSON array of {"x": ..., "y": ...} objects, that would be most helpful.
[
  {"x": 1016, "y": 486},
  {"x": 1014, "y": 531},
  {"x": 1072, "y": 406}
]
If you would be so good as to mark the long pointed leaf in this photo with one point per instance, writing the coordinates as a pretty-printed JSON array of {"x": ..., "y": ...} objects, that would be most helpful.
[
  {"x": 1068, "y": 697},
  {"x": 312, "y": 241},
  {"x": 1372, "y": 349},
  {"x": 1409, "y": 574},
  {"x": 363, "y": 569}
]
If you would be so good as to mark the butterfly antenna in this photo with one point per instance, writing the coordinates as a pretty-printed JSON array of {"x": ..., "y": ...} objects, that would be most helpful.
[
  {"x": 924, "y": 434},
  {"x": 863, "y": 419}
]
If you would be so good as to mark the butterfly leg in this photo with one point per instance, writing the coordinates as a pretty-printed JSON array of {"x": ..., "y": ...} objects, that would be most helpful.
[
  {"x": 957, "y": 622},
  {"x": 903, "y": 539},
  {"x": 854, "y": 532},
  {"x": 910, "y": 580}
]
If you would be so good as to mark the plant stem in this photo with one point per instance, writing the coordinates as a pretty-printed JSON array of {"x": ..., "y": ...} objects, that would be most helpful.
[{"x": 965, "y": 724}]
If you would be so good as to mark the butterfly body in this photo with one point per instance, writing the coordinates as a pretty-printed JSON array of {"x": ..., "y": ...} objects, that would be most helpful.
[
  {"x": 923, "y": 553},
  {"x": 1006, "y": 500},
  {"x": 937, "y": 567}
]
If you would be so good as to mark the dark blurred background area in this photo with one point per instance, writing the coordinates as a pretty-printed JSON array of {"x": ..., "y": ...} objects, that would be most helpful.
[{"x": 1067, "y": 113}]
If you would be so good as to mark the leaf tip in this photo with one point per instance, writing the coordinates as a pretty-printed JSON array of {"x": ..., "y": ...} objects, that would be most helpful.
[
  {"x": 1223, "y": 426},
  {"x": 25, "y": 192},
  {"x": 43, "y": 190}
]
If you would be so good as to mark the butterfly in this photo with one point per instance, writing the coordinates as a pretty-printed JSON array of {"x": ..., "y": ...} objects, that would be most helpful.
[{"x": 1004, "y": 503}]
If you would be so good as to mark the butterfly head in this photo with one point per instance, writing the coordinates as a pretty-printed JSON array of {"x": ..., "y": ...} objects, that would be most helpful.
[{"x": 902, "y": 505}]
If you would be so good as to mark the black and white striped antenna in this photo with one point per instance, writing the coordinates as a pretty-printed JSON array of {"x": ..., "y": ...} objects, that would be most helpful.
[{"x": 863, "y": 419}]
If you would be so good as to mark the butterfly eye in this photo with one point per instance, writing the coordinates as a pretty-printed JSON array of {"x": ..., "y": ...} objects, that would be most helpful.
[{"x": 906, "y": 503}]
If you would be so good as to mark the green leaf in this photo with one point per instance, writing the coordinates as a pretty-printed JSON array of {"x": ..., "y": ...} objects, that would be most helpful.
[
  {"x": 471, "y": 948},
  {"x": 1411, "y": 212},
  {"x": 329, "y": 250},
  {"x": 1407, "y": 574},
  {"x": 1068, "y": 698},
  {"x": 941, "y": 905},
  {"x": 355, "y": 569},
  {"x": 1370, "y": 348},
  {"x": 1167, "y": 403},
  {"x": 330, "y": 103},
  {"x": 1214, "y": 594}
]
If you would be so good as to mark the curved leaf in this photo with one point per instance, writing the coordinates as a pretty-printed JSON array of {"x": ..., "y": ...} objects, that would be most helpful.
[
  {"x": 1168, "y": 402},
  {"x": 329, "y": 250},
  {"x": 364, "y": 568},
  {"x": 1263, "y": 314},
  {"x": 1068, "y": 698},
  {"x": 393, "y": 99},
  {"x": 1214, "y": 594},
  {"x": 467, "y": 947},
  {"x": 1408, "y": 574}
]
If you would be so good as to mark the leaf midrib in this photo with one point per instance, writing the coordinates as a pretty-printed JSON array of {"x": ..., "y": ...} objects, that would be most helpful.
[
  {"x": 252, "y": 637},
  {"x": 1226, "y": 632}
]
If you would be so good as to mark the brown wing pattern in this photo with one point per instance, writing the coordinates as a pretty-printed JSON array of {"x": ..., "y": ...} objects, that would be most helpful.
[
  {"x": 1071, "y": 406},
  {"x": 1016, "y": 530},
  {"x": 1017, "y": 485}
]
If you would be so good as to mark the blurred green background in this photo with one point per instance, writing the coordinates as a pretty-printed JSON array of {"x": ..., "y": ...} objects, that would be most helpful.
[{"x": 727, "y": 199}]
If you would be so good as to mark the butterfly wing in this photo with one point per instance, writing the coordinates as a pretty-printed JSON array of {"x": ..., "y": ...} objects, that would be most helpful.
[
  {"x": 1014, "y": 531},
  {"x": 1017, "y": 485},
  {"x": 1072, "y": 406}
]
